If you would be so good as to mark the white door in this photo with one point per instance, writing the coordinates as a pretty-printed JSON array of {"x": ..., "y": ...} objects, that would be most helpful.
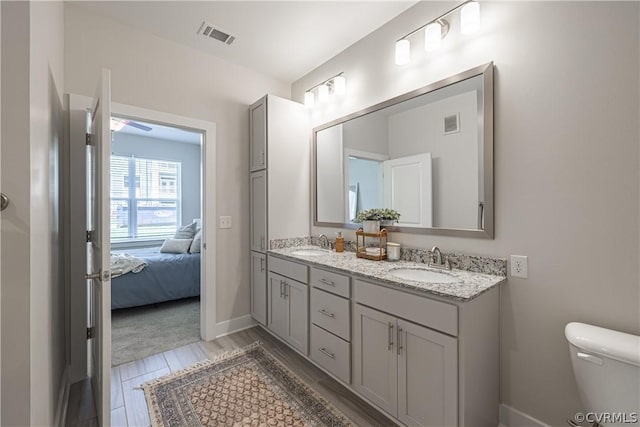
[
  {"x": 408, "y": 189},
  {"x": 99, "y": 247}
]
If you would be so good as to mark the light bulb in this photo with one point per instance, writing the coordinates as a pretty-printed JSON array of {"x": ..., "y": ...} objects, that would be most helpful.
[
  {"x": 470, "y": 18},
  {"x": 432, "y": 36},
  {"x": 323, "y": 93},
  {"x": 309, "y": 99},
  {"x": 339, "y": 85},
  {"x": 403, "y": 52}
]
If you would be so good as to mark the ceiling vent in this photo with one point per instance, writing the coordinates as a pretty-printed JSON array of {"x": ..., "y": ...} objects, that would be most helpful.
[{"x": 213, "y": 32}]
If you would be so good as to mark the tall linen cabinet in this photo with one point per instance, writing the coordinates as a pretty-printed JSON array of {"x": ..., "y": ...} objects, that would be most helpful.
[{"x": 279, "y": 164}]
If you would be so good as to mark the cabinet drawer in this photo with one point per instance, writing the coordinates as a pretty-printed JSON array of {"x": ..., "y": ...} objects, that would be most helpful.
[
  {"x": 331, "y": 312},
  {"x": 422, "y": 310},
  {"x": 330, "y": 282},
  {"x": 292, "y": 270},
  {"x": 331, "y": 352}
]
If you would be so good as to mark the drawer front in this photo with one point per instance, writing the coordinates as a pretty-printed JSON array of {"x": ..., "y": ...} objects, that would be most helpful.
[
  {"x": 290, "y": 269},
  {"x": 331, "y": 282},
  {"x": 332, "y": 353},
  {"x": 331, "y": 312},
  {"x": 422, "y": 310}
]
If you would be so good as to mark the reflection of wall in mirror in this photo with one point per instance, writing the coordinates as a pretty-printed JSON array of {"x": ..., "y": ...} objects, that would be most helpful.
[
  {"x": 330, "y": 192},
  {"x": 455, "y": 155}
]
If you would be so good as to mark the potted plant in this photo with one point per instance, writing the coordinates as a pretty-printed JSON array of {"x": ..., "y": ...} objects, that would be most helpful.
[{"x": 372, "y": 218}]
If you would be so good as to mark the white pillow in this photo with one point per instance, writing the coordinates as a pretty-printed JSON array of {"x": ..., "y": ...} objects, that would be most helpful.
[
  {"x": 186, "y": 232},
  {"x": 196, "y": 243},
  {"x": 176, "y": 246}
]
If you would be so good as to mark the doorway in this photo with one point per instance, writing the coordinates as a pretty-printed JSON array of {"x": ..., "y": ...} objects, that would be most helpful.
[{"x": 156, "y": 175}]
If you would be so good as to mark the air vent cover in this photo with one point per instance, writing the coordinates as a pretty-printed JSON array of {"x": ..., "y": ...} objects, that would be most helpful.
[
  {"x": 452, "y": 124},
  {"x": 216, "y": 33}
]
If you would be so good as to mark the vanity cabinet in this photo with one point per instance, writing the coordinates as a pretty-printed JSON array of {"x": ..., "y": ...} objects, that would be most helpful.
[
  {"x": 288, "y": 311},
  {"x": 279, "y": 147},
  {"x": 408, "y": 370},
  {"x": 423, "y": 359}
]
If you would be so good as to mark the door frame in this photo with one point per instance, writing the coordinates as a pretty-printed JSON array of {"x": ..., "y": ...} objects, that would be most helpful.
[{"x": 77, "y": 291}]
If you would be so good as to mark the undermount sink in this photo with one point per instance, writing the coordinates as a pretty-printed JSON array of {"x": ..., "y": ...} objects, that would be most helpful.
[
  {"x": 310, "y": 252},
  {"x": 420, "y": 275}
]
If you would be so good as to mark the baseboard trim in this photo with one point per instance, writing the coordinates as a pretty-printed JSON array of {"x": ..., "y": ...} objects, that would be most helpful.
[
  {"x": 511, "y": 417},
  {"x": 234, "y": 325},
  {"x": 63, "y": 398}
]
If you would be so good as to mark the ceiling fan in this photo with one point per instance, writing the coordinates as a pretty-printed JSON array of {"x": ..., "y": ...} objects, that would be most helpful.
[{"x": 117, "y": 124}]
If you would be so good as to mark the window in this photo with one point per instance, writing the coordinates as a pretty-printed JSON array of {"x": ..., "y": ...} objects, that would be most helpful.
[{"x": 151, "y": 207}]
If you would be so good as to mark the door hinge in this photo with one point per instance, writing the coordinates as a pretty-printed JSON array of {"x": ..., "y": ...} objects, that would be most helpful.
[
  {"x": 89, "y": 139},
  {"x": 91, "y": 332},
  {"x": 89, "y": 236}
]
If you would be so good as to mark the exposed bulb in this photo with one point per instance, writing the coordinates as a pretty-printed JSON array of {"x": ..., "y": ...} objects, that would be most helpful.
[
  {"x": 470, "y": 18},
  {"x": 339, "y": 85},
  {"x": 309, "y": 99},
  {"x": 432, "y": 36},
  {"x": 403, "y": 52},
  {"x": 323, "y": 93}
]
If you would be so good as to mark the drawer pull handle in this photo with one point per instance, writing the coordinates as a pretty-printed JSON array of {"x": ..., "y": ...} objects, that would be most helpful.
[
  {"x": 399, "y": 340},
  {"x": 327, "y": 282},
  {"x": 390, "y": 343},
  {"x": 326, "y": 313},
  {"x": 326, "y": 353}
]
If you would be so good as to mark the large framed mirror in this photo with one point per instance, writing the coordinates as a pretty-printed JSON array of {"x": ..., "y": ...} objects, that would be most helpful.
[{"x": 427, "y": 154}]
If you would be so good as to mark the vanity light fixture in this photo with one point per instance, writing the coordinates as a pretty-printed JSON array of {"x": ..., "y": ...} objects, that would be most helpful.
[
  {"x": 335, "y": 85},
  {"x": 437, "y": 29}
]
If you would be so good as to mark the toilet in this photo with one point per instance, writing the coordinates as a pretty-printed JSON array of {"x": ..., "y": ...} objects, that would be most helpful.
[{"x": 606, "y": 365}]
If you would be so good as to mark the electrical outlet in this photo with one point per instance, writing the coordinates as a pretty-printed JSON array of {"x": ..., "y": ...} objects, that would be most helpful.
[
  {"x": 225, "y": 222},
  {"x": 519, "y": 266}
]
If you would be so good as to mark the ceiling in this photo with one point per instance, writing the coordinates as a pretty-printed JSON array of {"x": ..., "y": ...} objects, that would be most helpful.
[
  {"x": 285, "y": 40},
  {"x": 162, "y": 132}
]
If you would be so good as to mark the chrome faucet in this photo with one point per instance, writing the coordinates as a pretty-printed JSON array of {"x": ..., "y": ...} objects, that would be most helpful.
[
  {"x": 326, "y": 240},
  {"x": 435, "y": 259}
]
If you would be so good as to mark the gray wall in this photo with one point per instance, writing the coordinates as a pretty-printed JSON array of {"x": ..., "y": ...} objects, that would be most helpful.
[
  {"x": 33, "y": 292},
  {"x": 161, "y": 149},
  {"x": 188, "y": 83},
  {"x": 566, "y": 169}
]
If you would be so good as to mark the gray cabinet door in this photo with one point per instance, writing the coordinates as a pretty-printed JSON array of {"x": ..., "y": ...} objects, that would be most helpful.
[
  {"x": 277, "y": 307},
  {"x": 297, "y": 300},
  {"x": 259, "y": 287},
  {"x": 258, "y": 135},
  {"x": 375, "y": 362},
  {"x": 259, "y": 211},
  {"x": 427, "y": 376}
]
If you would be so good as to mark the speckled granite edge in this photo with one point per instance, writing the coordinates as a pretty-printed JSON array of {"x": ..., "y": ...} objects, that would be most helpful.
[{"x": 473, "y": 263}]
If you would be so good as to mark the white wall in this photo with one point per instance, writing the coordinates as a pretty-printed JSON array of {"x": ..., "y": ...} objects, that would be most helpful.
[
  {"x": 154, "y": 73},
  {"x": 455, "y": 155},
  {"x": 34, "y": 346},
  {"x": 566, "y": 169},
  {"x": 161, "y": 149}
]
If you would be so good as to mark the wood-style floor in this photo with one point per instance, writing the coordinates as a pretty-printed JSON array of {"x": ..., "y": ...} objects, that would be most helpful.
[{"x": 129, "y": 408}]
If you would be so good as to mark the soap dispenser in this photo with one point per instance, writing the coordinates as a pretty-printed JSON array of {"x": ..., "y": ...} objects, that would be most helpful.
[{"x": 339, "y": 242}]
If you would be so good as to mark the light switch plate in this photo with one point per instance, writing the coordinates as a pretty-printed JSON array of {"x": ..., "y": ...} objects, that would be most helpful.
[
  {"x": 225, "y": 222},
  {"x": 519, "y": 266}
]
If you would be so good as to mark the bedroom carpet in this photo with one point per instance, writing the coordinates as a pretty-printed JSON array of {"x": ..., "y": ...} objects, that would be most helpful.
[{"x": 142, "y": 331}]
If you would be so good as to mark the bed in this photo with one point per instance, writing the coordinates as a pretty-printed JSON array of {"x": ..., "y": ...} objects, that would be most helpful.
[{"x": 166, "y": 277}]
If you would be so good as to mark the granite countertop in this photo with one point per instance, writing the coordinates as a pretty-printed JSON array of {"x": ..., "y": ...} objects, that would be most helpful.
[{"x": 470, "y": 284}]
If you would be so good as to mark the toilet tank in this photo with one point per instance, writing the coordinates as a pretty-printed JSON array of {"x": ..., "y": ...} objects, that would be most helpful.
[{"x": 606, "y": 365}]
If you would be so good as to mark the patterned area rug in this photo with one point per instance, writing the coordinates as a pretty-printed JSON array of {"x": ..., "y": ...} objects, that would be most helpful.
[{"x": 245, "y": 387}]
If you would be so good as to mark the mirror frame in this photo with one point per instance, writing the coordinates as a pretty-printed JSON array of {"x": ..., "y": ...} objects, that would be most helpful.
[{"x": 486, "y": 70}]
